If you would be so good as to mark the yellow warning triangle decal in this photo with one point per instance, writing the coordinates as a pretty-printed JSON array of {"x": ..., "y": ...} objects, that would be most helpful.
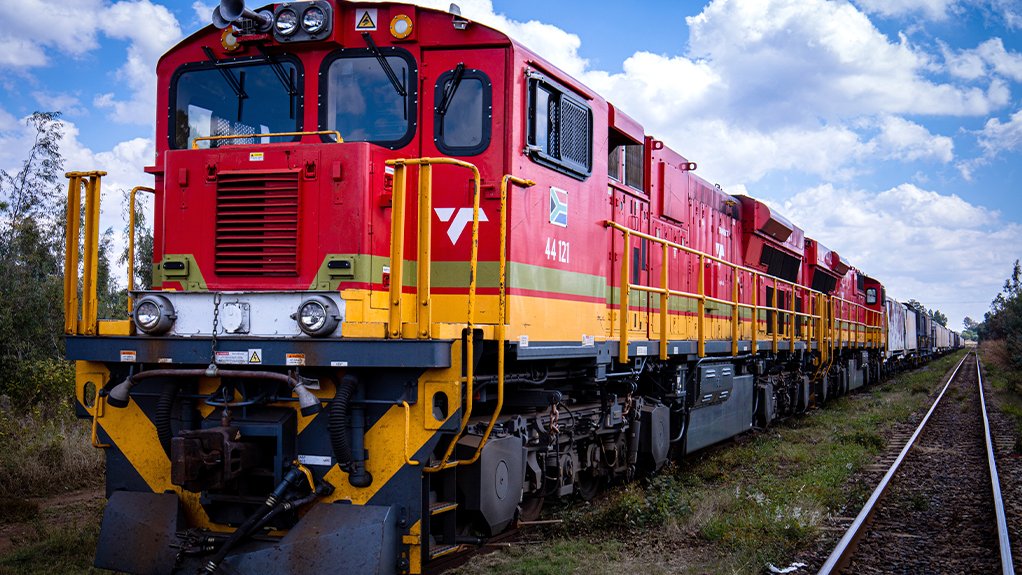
[
  {"x": 366, "y": 21},
  {"x": 255, "y": 358}
]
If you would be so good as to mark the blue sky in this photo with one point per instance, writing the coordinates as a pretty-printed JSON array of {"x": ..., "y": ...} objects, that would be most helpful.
[{"x": 890, "y": 129}]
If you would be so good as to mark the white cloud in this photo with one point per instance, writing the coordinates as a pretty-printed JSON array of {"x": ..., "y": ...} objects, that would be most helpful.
[
  {"x": 151, "y": 30},
  {"x": 66, "y": 104},
  {"x": 904, "y": 140},
  {"x": 73, "y": 29},
  {"x": 938, "y": 249},
  {"x": 790, "y": 61},
  {"x": 203, "y": 12},
  {"x": 37, "y": 26},
  {"x": 20, "y": 53},
  {"x": 932, "y": 9},
  {"x": 990, "y": 57},
  {"x": 1009, "y": 12},
  {"x": 998, "y": 136}
]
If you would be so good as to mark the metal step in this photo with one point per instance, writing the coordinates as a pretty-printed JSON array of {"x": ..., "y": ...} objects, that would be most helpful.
[
  {"x": 442, "y": 507},
  {"x": 441, "y": 550}
]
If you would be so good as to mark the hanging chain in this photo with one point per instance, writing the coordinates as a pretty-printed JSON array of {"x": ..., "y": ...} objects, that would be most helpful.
[
  {"x": 553, "y": 428},
  {"x": 216, "y": 326}
]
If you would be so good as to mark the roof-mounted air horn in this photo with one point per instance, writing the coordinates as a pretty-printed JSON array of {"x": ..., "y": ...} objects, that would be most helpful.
[{"x": 231, "y": 11}]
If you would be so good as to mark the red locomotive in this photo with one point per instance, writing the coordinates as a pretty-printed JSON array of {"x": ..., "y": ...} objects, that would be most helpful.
[{"x": 410, "y": 280}]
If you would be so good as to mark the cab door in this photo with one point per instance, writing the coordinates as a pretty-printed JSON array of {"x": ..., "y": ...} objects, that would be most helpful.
[
  {"x": 463, "y": 113},
  {"x": 463, "y": 98}
]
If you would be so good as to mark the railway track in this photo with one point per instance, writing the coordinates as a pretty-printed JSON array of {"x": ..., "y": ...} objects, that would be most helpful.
[{"x": 938, "y": 509}]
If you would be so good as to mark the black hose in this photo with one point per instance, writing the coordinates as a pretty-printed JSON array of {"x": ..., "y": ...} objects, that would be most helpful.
[
  {"x": 164, "y": 412},
  {"x": 347, "y": 421},
  {"x": 339, "y": 421}
]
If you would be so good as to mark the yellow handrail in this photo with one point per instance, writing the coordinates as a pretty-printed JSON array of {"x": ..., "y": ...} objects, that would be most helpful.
[
  {"x": 819, "y": 325},
  {"x": 395, "y": 328},
  {"x": 408, "y": 427},
  {"x": 501, "y": 312},
  {"x": 335, "y": 133},
  {"x": 98, "y": 403},
  {"x": 131, "y": 240},
  {"x": 90, "y": 259}
]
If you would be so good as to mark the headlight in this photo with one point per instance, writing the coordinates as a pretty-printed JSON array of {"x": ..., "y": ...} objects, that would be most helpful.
[
  {"x": 317, "y": 316},
  {"x": 154, "y": 314},
  {"x": 313, "y": 20},
  {"x": 287, "y": 22}
]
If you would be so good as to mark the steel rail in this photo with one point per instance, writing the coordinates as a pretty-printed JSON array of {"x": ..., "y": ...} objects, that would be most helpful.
[
  {"x": 1007, "y": 567},
  {"x": 838, "y": 558}
]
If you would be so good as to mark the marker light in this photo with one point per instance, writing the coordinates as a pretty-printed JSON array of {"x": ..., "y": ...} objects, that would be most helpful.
[
  {"x": 287, "y": 22},
  {"x": 313, "y": 20},
  {"x": 401, "y": 26}
]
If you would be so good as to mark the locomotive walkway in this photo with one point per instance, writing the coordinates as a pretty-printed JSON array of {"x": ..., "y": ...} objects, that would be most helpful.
[{"x": 939, "y": 507}]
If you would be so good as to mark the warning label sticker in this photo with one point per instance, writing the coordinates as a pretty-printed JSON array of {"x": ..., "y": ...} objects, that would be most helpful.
[
  {"x": 128, "y": 355},
  {"x": 324, "y": 460},
  {"x": 365, "y": 19},
  {"x": 294, "y": 359},
  {"x": 255, "y": 355},
  {"x": 231, "y": 357}
]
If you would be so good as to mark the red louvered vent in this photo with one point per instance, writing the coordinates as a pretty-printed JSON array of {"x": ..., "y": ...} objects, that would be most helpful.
[{"x": 257, "y": 223}]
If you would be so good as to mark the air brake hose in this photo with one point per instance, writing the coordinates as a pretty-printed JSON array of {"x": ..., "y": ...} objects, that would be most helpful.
[
  {"x": 347, "y": 432},
  {"x": 291, "y": 478},
  {"x": 164, "y": 411}
]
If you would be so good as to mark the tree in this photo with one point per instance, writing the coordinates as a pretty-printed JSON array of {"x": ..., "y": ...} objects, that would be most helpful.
[
  {"x": 31, "y": 249},
  {"x": 143, "y": 245},
  {"x": 1004, "y": 320},
  {"x": 938, "y": 317},
  {"x": 913, "y": 304},
  {"x": 969, "y": 323}
]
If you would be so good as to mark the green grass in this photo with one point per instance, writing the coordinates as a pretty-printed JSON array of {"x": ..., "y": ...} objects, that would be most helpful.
[
  {"x": 759, "y": 500},
  {"x": 45, "y": 451},
  {"x": 1006, "y": 383},
  {"x": 61, "y": 550}
]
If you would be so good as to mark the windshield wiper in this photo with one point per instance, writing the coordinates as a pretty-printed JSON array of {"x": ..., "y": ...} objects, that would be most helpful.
[
  {"x": 450, "y": 89},
  {"x": 239, "y": 90},
  {"x": 287, "y": 79},
  {"x": 384, "y": 64}
]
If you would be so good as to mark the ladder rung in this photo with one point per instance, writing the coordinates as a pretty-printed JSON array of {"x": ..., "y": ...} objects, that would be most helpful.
[
  {"x": 442, "y": 507},
  {"x": 441, "y": 550}
]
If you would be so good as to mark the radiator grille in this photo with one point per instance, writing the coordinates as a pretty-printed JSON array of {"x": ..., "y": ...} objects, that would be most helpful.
[{"x": 257, "y": 223}]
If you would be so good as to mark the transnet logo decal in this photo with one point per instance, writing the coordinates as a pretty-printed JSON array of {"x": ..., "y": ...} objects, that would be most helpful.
[
  {"x": 459, "y": 218},
  {"x": 559, "y": 207}
]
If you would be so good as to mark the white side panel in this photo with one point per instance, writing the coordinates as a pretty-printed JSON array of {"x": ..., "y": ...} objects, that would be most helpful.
[{"x": 911, "y": 339}]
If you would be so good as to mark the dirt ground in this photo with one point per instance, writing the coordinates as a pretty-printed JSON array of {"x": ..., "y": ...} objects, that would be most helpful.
[{"x": 76, "y": 508}]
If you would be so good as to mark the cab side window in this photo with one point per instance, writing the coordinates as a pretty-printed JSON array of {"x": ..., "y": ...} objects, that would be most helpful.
[
  {"x": 560, "y": 128},
  {"x": 463, "y": 112}
]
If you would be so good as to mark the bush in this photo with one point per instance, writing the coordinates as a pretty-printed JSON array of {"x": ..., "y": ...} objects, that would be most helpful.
[{"x": 36, "y": 382}]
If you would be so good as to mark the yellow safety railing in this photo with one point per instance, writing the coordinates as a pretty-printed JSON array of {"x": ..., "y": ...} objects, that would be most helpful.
[
  {"x": 819, "y": 320},
  {"x": 423, "y": 264},
  {"x": 501, "y": 312},
  {"x": 91, "y": 182},
  {"x": 423, "y": 317},
  {"x": 131, "y": 240},
  {"x": 334, "y": 133}
]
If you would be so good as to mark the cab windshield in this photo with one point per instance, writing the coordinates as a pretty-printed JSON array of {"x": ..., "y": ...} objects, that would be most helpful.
[
  {"x": 240, "y": 99},
  {"x": 370, "y": 97}
]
